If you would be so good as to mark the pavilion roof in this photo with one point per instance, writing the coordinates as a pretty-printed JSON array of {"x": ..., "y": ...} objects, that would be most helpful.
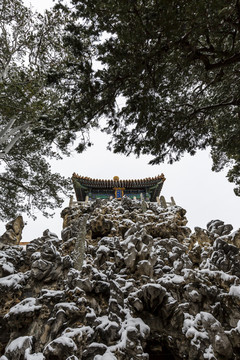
[{"x": 118, "y": 183}]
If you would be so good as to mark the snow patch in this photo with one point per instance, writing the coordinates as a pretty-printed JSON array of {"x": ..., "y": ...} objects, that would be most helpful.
[
  {"x": 18, "y": 343},
  {"x": 103, "y": 249},
  {"x": 106, "y": 356},
  {"x": 12, "y": 281},
  {"x": 36, "y": 356},
  {"x": 70, "y": 332},
  {"x": 67, "y": 306},
  {"x": 192, "y": 330},
  {"x": 25, "y": 306},
  {"x": 63, "y": 340},
  {"x": 8, "y": 267},
  {"x": 208, "y": 353},
  {"x": 235, "y": 291}
]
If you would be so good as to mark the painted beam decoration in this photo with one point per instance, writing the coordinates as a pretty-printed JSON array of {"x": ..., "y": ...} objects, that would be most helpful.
[{"x": 148, "y": 189}]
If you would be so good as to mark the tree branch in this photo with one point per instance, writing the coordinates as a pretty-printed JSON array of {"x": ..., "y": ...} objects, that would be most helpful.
[
  {"x": 17, "y": 183},
  {"x": 214, "y": 106}
]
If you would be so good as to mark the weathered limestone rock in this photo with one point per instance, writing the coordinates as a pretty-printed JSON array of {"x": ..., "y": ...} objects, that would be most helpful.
[
  {"x": 145, "y": 287},
  {"x": 19, "y": 347},
  {"x": 218, "y": 227},
  {"x": 60, "y": 348},
  {"x": 100, "y": 226},
  {"x": 236, "y": 239},
  {"x": 163, "y": 202},
  {"x": 152, "y": 296},
  {"x": 13, "y": 235}
]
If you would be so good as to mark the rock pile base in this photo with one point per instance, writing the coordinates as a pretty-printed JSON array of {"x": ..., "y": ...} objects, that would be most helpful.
[{"x": 147, "y": 288}]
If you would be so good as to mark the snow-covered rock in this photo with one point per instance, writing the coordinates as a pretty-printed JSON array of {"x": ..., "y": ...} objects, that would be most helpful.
[{"x": 147, "y": 288}]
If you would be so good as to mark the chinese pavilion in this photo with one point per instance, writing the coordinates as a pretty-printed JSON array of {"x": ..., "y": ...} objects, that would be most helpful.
[{"x": 148, "y": 189}]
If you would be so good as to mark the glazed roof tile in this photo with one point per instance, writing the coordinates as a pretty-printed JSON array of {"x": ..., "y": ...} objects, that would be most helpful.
[{"x": 131, "y": 183}]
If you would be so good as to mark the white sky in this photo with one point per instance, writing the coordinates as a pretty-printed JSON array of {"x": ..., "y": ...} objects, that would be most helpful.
[{"x": 204, "y": 194}]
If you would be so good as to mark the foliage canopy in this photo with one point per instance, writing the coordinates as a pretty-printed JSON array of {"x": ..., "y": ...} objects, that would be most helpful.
[
  {"x": 163, "y": 74},
  {"x": 31, "y": 48},
  {"x": 168, "y": 81}
]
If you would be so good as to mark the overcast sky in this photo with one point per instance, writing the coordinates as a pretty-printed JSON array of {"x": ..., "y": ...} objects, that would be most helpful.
[{"x": 204, "y": 194}]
